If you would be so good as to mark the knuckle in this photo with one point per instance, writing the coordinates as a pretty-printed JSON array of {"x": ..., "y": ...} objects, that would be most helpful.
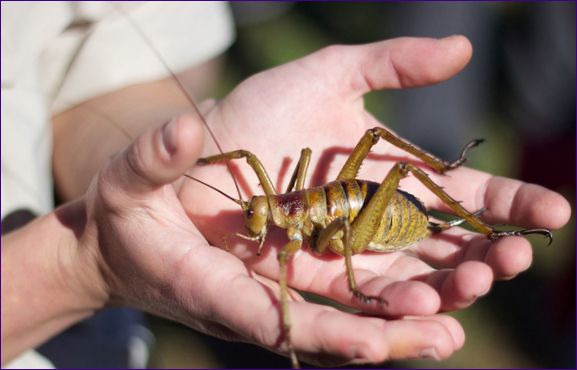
[
  {"x": 135, "y": 161},
  {"x": 106, "y": 188}
]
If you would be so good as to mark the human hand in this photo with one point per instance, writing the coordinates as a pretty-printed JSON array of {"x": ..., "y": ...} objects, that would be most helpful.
[
  {"x": 317, "y": 102},
  {"x": 148, "y": 254}
]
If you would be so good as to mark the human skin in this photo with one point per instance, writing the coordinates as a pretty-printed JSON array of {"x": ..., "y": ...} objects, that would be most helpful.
[{"x": 144, "y": 239}]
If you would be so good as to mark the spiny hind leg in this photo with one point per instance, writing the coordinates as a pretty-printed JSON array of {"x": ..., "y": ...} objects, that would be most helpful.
[
  {"x": 372, "y": 136},
  {"x": 363, "y": 229},
  {"x": 283, "y": 257},
  {"x": 367, "y": 222},
  {"x": 298, "y": 177},
  {"x": 471, "y": 218}
]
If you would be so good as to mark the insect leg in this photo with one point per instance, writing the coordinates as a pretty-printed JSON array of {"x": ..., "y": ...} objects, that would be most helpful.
[
  {"x": 253, "y": 162},
  {"x": 368, "y": 220},
  {"x": 284, "y": 255},
  {"x": 371, "y": 137},
  {"x": 326, "y": 236},
  {"x": 299, "y": 175},
  {"x": 343, "y": 245},
  {"x": 358, "y": 235},
  {"x": 472, "y": 219}
]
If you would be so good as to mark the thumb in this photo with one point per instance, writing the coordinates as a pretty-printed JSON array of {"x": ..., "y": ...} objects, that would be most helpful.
[
  {"x": 396, "y": 63},
  {"x": 412, "y": 62},
  {"x": 160, "y": 155}
]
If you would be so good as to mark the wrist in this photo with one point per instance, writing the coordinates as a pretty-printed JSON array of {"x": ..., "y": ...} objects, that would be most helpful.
[
  {"x": 49, "y": 281},
  {"x": 77, "y": 260}
]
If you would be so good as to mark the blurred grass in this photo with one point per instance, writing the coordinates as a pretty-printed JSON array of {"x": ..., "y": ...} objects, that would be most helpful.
[{"x": 501, "y": 332}]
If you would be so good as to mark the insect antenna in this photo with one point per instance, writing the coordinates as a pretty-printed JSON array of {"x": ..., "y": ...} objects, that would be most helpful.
[
  {"x": 188, "y": 97},
  {"x": 240, "y": 202}
]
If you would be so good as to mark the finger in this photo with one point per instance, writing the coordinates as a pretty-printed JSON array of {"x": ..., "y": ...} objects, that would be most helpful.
[
  {"x": 371, "y": 340},
  {"x": 398, "y": 63},
  {"x": 507, "y": 201},
  {"x": 159, "y": 156},
  {"x": 455, "y": 329},
  {"x": 389, "y": 277},
  {"x": 401, "y": 297},
  {"x": 317, "y": 328},
  {"x": 460, "y": 287},
  {"x": 507, "y": 257},
  {"x": 474, "y": 265},
  {"x": 525, "y": 204}
]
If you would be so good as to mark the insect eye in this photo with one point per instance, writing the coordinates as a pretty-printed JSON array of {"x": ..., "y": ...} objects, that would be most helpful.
[{"x": 250, "y": 212}]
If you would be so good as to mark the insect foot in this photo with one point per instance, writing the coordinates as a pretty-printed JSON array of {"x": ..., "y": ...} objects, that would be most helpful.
[
  {"x": 463, "y": 158},
  {"x": 545, "y": 232},
  {"x": 368, "y": 298}
]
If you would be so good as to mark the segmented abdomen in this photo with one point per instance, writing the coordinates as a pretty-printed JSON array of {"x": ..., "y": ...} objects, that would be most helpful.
[{"x": 403, "y": 223}]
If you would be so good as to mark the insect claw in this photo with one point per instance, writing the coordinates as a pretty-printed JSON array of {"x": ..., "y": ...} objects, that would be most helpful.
[
  {"x": 368, "y": 298},
  {"x": 545, "y": 232},
  {"x": 462, "y": 159},
  {"x": 473, "y": 143}
]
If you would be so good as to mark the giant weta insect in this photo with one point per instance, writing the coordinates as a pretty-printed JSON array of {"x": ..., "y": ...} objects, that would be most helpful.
[{"x": 348, "y": 215}]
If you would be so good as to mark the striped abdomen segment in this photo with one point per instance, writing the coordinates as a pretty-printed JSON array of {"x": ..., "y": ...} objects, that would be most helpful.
[{"x": 403, "y": 223}]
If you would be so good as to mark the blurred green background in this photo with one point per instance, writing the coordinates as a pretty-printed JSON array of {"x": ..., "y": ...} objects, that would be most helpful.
[{"x": 518, "y": 93}]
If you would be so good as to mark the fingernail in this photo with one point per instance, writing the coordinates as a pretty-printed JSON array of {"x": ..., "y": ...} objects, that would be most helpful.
[
  {"x": 429, "y": 353},
  {"x": 169, "y": 136}
]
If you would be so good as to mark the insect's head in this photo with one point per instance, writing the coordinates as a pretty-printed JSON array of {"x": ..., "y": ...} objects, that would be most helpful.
[
  {"x": 255, "y": 211},
  {"x": 256, "y": 215}
]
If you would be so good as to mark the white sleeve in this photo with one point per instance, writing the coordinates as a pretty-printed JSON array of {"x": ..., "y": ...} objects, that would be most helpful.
[
  {"x": 29, "y": 360},
  {"x": 50, "y": 62},
  {"x": 115, "y": 55}
]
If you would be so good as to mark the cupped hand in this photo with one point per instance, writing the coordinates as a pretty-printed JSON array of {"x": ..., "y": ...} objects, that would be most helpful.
[
  {"x": 151, "y": 256},
  {"x": 317, "y": 102}
]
